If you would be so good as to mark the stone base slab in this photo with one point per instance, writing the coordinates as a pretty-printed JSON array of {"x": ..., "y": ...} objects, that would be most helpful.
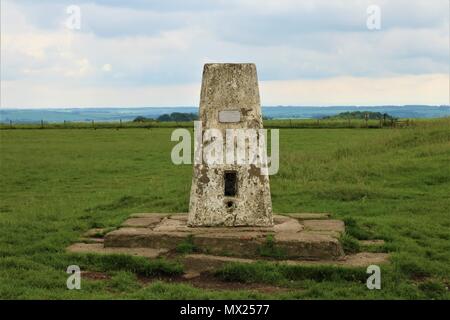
[
  {"x": 98, "y": 248},
  {"x": 202, "y": 262},
  {"x": 291, "y": 237}
]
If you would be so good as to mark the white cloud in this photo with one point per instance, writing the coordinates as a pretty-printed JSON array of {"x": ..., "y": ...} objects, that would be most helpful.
[
  {"x": 401, "y": 90},
  {"x": 398, "y": 90},
  {"x": 127, "y": 50},
  {"x": 107, "y": 67}
]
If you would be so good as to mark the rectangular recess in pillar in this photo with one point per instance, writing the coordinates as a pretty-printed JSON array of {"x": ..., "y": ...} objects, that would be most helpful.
[
  {"x": 230, "y": 178},
  {"x": 229, "y": 116}
]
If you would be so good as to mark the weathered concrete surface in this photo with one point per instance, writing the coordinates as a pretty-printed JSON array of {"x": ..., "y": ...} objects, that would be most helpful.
[
  {"x": 98, "y": 248},
  {"x": 308, "y": 216},
  {"x": 91, "y": 240},
  {"x": 290, "y": 226},
  {"x": 290, "y": 237},
  {"x": 203, "y": 262},
  {"x": 143, "y": 222},
  {"x": 228, "y": 89},
  {"x": 144, "y": 238},
  {"x": 324, "y": 225}
]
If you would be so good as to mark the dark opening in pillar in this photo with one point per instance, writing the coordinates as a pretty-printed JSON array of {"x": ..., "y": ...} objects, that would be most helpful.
[{"x": 230, "y": 178}]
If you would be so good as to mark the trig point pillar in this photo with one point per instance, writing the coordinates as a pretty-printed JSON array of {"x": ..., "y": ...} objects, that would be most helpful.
[{"x": 236, "y": 193}]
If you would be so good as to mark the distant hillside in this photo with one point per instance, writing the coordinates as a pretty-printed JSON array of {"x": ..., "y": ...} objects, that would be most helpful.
[
  {"x": 274, "y": 112},
  {"x": 360, "y": 115},
  {"x": 178, "y": 116},
  {"x": 173, "y": 117}
]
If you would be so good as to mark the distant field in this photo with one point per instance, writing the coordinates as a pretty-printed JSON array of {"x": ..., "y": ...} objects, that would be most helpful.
[
  {"x": 390, "y": 183},
  {"x": 285, "y": 123}
]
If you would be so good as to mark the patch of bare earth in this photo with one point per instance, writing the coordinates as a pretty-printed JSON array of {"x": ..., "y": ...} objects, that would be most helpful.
[
  {"x": 206, "y": 280},
  {"x": 94, "y": 275}
]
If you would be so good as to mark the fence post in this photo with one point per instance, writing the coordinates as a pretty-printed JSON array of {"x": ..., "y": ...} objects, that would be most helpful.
[
  {"x": 42, "y": 124},
  {"x": 10, "y": 124},
  {"x": 93, "y": 124}
]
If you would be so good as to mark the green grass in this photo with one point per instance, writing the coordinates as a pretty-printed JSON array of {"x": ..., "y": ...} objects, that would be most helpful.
[
  {"x": 269, "y": 249},
  {"x": 187, "y": 246},
  {"x": 391, "y": 184},
  {"x": 263, "y": 272}
]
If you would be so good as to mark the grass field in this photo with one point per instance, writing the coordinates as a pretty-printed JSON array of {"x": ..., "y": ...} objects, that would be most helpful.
[{"x": 391, "y": 184}]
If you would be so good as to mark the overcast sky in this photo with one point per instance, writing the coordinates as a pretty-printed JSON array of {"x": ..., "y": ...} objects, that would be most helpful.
[{"x": 151, "y": 53}]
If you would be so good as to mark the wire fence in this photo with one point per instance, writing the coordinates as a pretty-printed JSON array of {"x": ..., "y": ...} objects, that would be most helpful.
[{"x": 281, "y": 123}]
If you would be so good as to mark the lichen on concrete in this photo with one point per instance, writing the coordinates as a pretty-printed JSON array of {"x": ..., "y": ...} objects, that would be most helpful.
[{"x": 232, "y": 88}]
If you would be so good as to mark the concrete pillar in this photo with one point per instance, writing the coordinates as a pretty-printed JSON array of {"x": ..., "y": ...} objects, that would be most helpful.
[{"x": 229, "y": 194}]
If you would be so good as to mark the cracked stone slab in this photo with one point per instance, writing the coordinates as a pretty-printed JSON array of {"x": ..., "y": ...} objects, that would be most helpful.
[
  {"x": 149, "y": 215},
  {"x": 309, "y": 245},
  {"x": 331, "y": 233},
  {"x": 98, "y": 248},
  {"x": 277, "y": 219},
  {"x": 325, "y": 225},
  {"x": 290, "y": 225},
  {"x": 169, "y": 224},
  {"x": 361, "y": 259},
  {"x": 203, "y": 262},
  {"x": 144, "y": 238},
  {"x": 91, "y": 240},
  {"x": 309, "y": 216},
  {"x": 142, "y": 222},
  {"x": 182, "y": 217}
]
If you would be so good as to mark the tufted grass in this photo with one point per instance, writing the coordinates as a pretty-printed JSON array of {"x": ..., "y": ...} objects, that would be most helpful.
[{"x": 391, "y": 184}]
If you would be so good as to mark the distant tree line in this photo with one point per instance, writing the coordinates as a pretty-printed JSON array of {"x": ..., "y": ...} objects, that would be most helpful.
[
  {"x": 361, "y": 115},
  {"x": 186, "y": 117},
  {"x": 173, "y": 117}
]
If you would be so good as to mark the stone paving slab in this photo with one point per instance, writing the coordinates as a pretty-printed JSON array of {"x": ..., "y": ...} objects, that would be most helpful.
[
  {"x": 325, "y": 225},
  {"x": 308, "y": 216},
  {"x": 289, "y": 226},
  {"x": 202, "y": 262},
  {"x": 148, "y": 215},
  {"x": 142, "y": 222},
  {"x": 98, "y": 248},
  {"x": 91, "y": 240}
]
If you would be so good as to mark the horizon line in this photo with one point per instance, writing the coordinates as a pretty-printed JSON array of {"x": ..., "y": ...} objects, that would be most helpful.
[{"x": 192, "y": 106}]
